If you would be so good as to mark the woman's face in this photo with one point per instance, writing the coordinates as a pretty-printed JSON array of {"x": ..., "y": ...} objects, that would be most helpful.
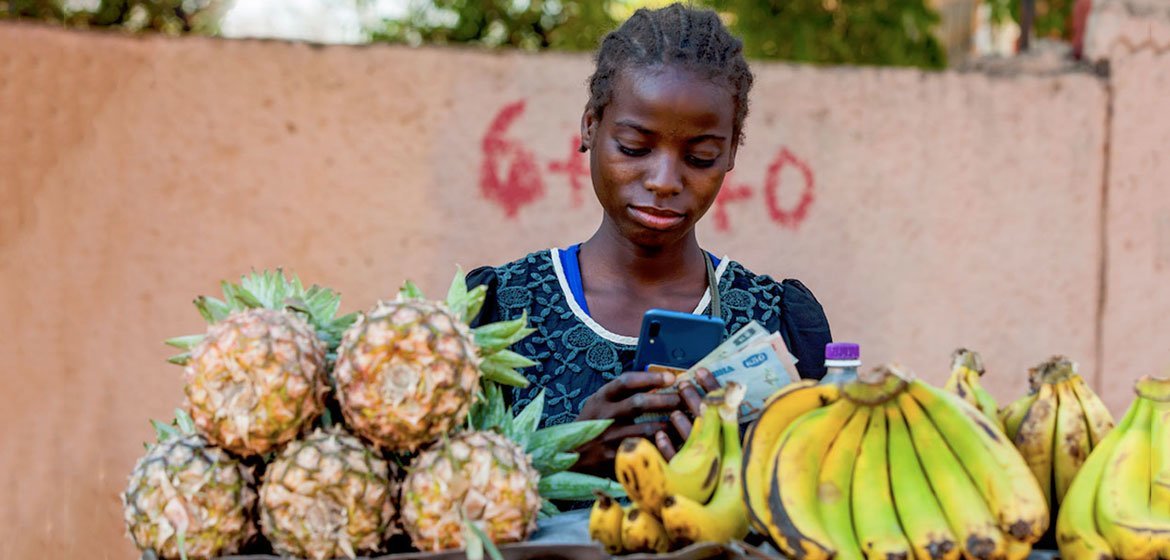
[{"x": 660, "y": 151}]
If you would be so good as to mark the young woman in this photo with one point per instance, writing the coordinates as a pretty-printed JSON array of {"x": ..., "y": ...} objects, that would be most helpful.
[{"x": 664, "y": 119}]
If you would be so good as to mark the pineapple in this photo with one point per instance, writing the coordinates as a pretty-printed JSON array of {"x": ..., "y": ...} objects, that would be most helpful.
[
  {"x": 257, "y": 378},
  {"x": 492, "y": 480},
  {"x": 408, "y": 370},
  {"x": 187, "y": 498},
  {"x": 326, "y": 496}
]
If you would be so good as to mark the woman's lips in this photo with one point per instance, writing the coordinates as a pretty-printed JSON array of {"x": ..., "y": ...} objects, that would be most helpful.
[{"x": 656, "y": 218}]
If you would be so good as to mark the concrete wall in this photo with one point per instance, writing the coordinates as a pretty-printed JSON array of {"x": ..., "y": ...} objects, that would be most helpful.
[{"x": 926, "y": 211}]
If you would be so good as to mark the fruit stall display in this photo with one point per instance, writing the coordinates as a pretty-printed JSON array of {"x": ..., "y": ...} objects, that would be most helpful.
[
  {"x": 313, "y": 435},
  {"x": 325, "y": 437}
]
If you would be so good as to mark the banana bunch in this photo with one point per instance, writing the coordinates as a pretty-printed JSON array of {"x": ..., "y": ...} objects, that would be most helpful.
[
  {"x": 1056, "y": 425},
  {"x": 887, "y": 466},
  {"x": 1118, "y": 505},
  {"x": 694, "y": 497},
  {"x": 966, "y": 369}
]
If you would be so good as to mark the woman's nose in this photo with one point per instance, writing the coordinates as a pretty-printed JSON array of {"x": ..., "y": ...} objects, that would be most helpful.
[{"x": 665, "y": 176}]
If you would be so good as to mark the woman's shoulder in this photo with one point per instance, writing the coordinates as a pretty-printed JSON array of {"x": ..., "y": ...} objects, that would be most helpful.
[{"x": 522, "y": 269}]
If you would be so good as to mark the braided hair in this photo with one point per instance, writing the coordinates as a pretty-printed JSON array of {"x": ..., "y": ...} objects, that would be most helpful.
[{"x": 675, "y": 35}]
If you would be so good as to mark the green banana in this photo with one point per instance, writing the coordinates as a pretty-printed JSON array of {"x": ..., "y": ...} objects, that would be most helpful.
[
  {"x": 1160, "y": 464},
  {"x": 1123, "y": 506},
  {"x": 760, "y": 442},
  {"x": 966, "y": 369},
  {"x": 1001, "y": 475},
  {"x": 1034, "y": 437},
  {"x": 605, "y": 522},
  {"x": 1071, "y": 445},
  {"x": 918, "y": 509},
  {"x": 724, "y": 518},
  {"x": 874, "y": 516},
  {"x": 968, "y": 516},
  {"x": 835, "y": 485},
  {"x": 1012, "y": 414},
  {"x": 795, "y": 526},
  {"x": 1077, "y": 533}
]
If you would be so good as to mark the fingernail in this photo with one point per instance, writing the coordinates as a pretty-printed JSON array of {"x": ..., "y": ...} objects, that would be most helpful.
[{"x": 667, "y": 379}]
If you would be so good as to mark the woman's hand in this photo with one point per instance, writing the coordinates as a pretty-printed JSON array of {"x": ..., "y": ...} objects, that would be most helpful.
[
  {"x": 622, "y": 400},
  {"x": 678, "y": 419}
]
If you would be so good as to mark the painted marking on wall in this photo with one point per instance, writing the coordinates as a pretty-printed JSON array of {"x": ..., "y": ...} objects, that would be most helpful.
[{"x": 520, "y": 183}]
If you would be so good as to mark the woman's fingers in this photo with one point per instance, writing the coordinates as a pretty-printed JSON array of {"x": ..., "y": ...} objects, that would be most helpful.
[
  {"x": 690, "y": 397},
  {"x": 634, "y": 382},
  {"x": 642, "y": 403},
  {"x": 706, "y": 380},
  {"x": 645, "y": 429},
  {"x": 682, "y": 425},
  {"x": 665, "y": 446}
]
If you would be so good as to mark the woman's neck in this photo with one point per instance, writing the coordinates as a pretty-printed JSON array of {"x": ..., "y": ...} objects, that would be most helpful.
[{"x": 608, "y": 254}]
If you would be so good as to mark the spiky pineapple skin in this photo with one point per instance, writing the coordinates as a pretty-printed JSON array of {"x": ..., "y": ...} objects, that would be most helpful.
[
  {"x": 481, "y": 474},
  {"x": 328, "y": 496},
  {"x": 256, "y": 381},
  {"x": 407, "y": 372},
  {"x": 188, "y": 480}
]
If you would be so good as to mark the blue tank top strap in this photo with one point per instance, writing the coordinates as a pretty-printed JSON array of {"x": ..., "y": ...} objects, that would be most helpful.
[{"x": 571, "y": 264}]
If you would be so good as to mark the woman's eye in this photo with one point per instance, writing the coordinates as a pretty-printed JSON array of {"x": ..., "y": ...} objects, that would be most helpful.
[
  {"x": 633, "y": 152},
  {"x": 700, "y": 162}
]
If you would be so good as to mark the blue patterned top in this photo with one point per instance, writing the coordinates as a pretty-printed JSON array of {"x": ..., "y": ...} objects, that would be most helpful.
[{"x": 577, "y": 356}]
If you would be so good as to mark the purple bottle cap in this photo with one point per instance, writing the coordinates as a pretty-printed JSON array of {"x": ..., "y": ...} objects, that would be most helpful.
[{"x": 842, "y": 351}]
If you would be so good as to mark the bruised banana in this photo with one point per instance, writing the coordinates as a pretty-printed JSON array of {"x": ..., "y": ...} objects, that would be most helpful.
[
  {"x": 693, "y": 472},
  {"x": 759, "y": 444},
  {"x": 795, "y": 525},
  {"x": 605, "y": 522},
  {"x": 1004, "y": 479},
  {"x": 971, "y": 521},
  {"x": 918, "y": 509},
  {"x": 1034, "y": 437},
  {"x": 642, "y": 532},
  {"x": 1071, "y": 443},
  {"x": 966, "y": 369},
  {"x": 874, "y": 516},
  {"x": 724, "y": 518},
  {"x": 1096, "y": 414}
]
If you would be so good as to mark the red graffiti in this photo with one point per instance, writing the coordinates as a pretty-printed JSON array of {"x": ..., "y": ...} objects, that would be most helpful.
[
  {"x": 788, "y": 218},
  {"x": 574, "y": 168},
  {"x": 728, "y": 194},
  {"x": 522, "y": 184}
]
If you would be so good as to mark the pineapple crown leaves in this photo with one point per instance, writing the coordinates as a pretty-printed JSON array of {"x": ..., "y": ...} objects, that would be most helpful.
[
  {"x": 272, "y": 290},
  {"x": 551, "y": 449},
  {"x": 181, "y": 426},
  {"x": 493, "y": 340}
]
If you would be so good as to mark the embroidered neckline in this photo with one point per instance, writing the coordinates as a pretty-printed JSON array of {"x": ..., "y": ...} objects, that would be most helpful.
[{"x": 555, "y": 257}]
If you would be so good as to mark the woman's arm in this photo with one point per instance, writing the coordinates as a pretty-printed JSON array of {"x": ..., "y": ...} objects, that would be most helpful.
[{"x": 805, "y": 328}]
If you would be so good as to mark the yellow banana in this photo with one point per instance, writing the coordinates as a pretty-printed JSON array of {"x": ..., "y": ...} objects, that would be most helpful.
[
  {"x": 724, "y": 518},
  {"x": 835, "y": 486},
  {"x": 694, "y": 471},
  {"x": 1123, "y": 507},
  {"x": 1034, "y": 437},
  {"x": 762, "y": 437},
  {"x": 795, "y": 524},
  {"x": 1096, "y": 414},
  {"x": 1000, "y": 473},
  {"x": 918, "y": 509},
  {"x": 1017, "y": 549},
  {"x": 642, "y": 532},
  {"x": 874, "y": 516},
  {"x": 1071, "y": 445},
  {"x": 1077, "y": 533},
  {"x": 966, "y": 369},
  {"x": 641, "y": 470},
  {"x": 1011, "y": 415},
  {"x": 970, "y": 520},
  {"x": 605, "y": 522}
]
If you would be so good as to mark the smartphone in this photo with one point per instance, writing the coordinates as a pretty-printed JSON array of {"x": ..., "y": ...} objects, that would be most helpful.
[{"x": 676, "y": 340}]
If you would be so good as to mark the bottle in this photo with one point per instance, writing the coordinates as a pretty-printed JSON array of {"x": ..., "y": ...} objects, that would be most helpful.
[{"x": 841, "y": 362}]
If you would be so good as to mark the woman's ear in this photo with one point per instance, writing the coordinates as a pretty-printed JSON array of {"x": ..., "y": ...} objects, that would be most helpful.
[
  {"x": 731, "y": 157},
  {"x": 589, "y": 122}
]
